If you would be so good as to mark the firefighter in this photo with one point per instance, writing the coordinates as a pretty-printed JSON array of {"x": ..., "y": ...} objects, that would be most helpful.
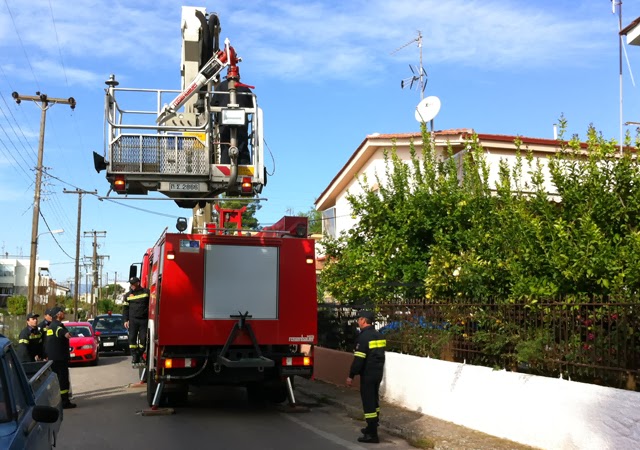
[
  {"x": 368, "y": 362},
  {"x": 43, "y": 329},
  {"x": 30, "y": 341},
  {"x": 136, "y": 317},
  {"x": 57, "y": 350}
]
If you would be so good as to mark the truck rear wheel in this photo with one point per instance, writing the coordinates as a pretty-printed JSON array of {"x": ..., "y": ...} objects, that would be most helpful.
[
  {"x": 272, "y": 392},
  {"x": 277, "y": 393}
]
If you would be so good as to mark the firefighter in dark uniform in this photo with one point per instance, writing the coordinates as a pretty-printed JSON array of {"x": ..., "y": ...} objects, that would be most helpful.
[
  {"x": 57, "y": 350},
  {"x": 30, "y": 341},
  {"x": 136, "y": 318},
  {"x": 43, "y": 329},
  {"x": 368, "y": 362}
]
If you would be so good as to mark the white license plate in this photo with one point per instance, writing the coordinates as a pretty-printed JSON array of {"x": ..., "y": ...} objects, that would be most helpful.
[
  {"x": 72, "y": 355},
  {"x": 183, "y": 186},
  {"x": 109, "y": 344}
]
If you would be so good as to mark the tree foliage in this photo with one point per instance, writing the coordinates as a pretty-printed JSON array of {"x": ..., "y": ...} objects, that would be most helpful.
[
  {"x": 17, "y": 305},
  {"x": 249, "y": 219},
  {"x": 437, "y": 228},
  {"x": 315, "y": 220}
]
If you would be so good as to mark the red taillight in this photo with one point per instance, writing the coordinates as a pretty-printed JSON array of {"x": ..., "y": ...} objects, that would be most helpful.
[
  {"x": 247, "y": 187},
  {"x": 119, "y": 184},
  {"x": 297, "y": 361}
]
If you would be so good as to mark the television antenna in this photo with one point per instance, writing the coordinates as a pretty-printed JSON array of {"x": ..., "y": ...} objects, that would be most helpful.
[{"x": 418, "y": 74}]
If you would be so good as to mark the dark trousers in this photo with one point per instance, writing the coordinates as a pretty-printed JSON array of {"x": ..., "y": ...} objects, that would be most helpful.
[
  {"x": 369, "y": 392},
  {"x": 137, "y": 337},
  {"x": 61, "y": 368}
]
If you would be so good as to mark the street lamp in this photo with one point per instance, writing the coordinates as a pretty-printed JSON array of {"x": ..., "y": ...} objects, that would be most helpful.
[{"x": 32, "y": 269}]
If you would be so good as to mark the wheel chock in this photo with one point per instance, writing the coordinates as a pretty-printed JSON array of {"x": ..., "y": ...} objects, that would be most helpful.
[
  {"x": 155, "y": 411},
  {"x": 293, "y": 408}
]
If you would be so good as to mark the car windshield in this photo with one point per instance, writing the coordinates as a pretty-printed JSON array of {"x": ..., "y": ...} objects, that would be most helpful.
[
  {"x": 79, "y": 331},
  {"x": 109, "y": 324}
]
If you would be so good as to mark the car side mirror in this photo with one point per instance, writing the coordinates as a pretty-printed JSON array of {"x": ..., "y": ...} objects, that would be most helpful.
[{"x": 45, "y": 414}]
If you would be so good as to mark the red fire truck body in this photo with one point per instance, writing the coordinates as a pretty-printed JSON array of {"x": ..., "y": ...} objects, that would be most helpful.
[{"x": 231, "y": 309}]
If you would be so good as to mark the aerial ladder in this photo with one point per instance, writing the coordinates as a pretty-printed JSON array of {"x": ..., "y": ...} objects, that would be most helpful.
[{"x": 206, "y": 141}]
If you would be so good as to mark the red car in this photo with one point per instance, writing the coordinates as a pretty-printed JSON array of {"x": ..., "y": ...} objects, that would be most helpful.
[{"x": 83, "y": 344}]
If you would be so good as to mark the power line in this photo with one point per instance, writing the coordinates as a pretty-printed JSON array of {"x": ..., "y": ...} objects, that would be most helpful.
[
  {"x": 53, "y": 235},
  {"x": 15, "y": 27},
  {"x": 55, "y": 30},
  {"x": 30, "y": 151}
]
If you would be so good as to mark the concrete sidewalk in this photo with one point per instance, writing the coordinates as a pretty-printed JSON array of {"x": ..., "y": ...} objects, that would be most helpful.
[{"x": 418, "y": 429}]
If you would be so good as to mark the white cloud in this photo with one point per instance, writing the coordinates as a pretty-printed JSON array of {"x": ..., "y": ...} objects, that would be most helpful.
[
  {"x": 356, "y": 38},
  {"x": 315, "y": 40}
]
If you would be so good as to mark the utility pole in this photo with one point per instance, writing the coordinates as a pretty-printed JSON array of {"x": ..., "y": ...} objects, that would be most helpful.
[
  {"x": 80, "y": 193},
  {"x": 94, "y": 265},
  {"x": 44, "y": 103},
  {"x": 100, "y": 284}
]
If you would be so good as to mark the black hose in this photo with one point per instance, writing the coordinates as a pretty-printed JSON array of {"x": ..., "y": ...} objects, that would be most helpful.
[
  {"x": 214, "y": 33},
  {"x": 205, "y": 51}
]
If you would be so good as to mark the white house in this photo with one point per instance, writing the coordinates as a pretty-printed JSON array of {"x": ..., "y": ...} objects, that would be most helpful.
[
  {"x": 368, "y": 160},
  {"x": 14, "y": 278}
]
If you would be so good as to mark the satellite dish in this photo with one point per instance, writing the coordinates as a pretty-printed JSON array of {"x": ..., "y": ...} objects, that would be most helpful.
[{"x": 427, "y": 109}]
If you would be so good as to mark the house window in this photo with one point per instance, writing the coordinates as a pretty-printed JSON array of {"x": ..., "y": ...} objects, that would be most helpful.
[
  {"x": 6, "y": 270},
  {"x": 329, "y": 222}
]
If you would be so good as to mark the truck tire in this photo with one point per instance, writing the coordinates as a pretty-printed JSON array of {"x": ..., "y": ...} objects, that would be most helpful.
[
  {"x": 256, "y": 393},
  {"x": 177, "y": 398},
  {"x": 277, "y": 393}
]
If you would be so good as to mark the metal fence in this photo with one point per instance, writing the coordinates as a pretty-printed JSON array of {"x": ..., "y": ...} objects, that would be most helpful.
[
  {"x": 10, "y": 325},
  {"x": 591, "y": 342}
]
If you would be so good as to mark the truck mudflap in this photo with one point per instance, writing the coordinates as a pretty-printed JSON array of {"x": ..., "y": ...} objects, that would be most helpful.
[{"x": 260, "y": 362}]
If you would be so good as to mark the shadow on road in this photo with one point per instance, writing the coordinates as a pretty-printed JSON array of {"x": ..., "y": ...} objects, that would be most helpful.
[{"x": 108, "y": 359}]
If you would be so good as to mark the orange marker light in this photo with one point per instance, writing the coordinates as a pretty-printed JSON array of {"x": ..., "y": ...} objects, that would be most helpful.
[
  {"x": 246, "y": 185},
  {"x": 119, "y": 184}
]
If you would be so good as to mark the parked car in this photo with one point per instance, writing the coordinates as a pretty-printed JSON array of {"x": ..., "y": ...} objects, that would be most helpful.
[
  {"x": 114, "y": 337},
  {"x": 83, "y": 344},
  {"x": 30, "y": 402}
]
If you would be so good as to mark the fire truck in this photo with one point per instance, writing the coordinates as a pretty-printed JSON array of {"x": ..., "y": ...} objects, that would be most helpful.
[{"x": 227, "y": 306}]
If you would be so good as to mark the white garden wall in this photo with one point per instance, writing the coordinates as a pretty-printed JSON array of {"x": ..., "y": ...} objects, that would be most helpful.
[{"x": 541, "y": 412}]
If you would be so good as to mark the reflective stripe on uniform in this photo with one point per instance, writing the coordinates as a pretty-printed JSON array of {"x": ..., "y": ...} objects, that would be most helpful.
[
  {"x": 64, "y": 391},
  {"x": 378, "y": 344},
  {"x": 133, "y": 345},
  {"x": 360, "y": 354},
  {"x": 137, "y": 297},
  {"x": 371, "y": 415},
  {"x": 23, "y": 341},
  {"x": 49, "y": 332}
]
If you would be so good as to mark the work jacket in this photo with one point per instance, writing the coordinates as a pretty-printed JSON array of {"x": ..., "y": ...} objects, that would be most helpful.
[
  {"x": 30, "y": 344},
  {"x": 368, "y": 358},
  {"x": 136, "y": 304},
  {"x": 57, "y": 342}
]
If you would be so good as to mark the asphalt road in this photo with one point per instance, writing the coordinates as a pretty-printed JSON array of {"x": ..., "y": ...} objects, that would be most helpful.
[{"x": 109, "y": 416}]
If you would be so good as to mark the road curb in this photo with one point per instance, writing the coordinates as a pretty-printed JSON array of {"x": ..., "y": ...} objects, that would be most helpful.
[{"x": 355, "y": 412}]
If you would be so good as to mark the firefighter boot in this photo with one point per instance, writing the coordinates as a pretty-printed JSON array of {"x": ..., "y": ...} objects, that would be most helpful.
[
  {"x": 135, "y": 356},
  {"x": 66, "y": 403},
  {"x": 370, "y": 433},
  {"x": 373, "y": 425}
]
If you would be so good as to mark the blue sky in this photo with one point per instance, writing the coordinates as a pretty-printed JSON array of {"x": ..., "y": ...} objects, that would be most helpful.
[{"x": 326, "y": 74}]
